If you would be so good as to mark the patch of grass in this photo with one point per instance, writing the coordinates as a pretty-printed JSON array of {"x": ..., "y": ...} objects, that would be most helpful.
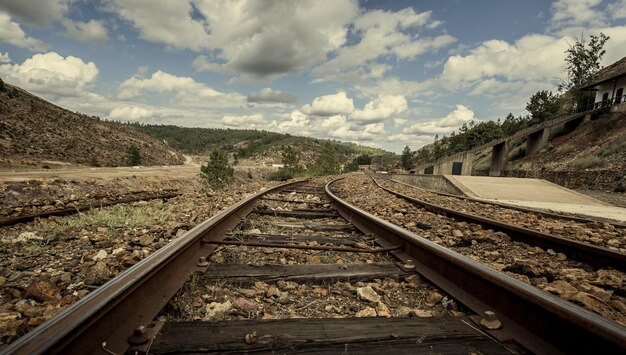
[
  {"x": 586, "y": 162},
  {"x": 123, "y": 215},
  {"x": 613, "y": 149},
  {"x": 566, "y": 148},
  {"x": 550, "y": 166}
]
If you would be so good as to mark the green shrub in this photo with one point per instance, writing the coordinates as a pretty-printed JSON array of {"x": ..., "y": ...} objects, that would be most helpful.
[
  {"x": 586, "y": 162},
  {"x": 217, "y": 172},
  {"x": 280, "y": 175}
]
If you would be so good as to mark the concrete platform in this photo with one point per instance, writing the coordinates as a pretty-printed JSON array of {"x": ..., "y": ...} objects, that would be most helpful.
[{"x": 535, "y": 193}]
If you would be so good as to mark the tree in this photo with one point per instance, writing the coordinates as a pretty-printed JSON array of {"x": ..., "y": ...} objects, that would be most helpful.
[
  {"x": 407, "y": 158},
  {"x": 134, "y": 155},
  {"x": 217, "y": 172},
  {"x": 583, "y": 61},
  {"x": 327, "y": 162},
  {"x": 2, "y": 87},
  {"x": 291, "y": 160},
  {"x": 542, "y": 106}
]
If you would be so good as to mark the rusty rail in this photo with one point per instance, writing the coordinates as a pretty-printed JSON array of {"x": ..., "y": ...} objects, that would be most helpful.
[
  {"x": 584, "y": 252},
  {"x": 519, "y": 208},
  {"x": 103, "y": 321},
  {"x": 539, "y": 321}
]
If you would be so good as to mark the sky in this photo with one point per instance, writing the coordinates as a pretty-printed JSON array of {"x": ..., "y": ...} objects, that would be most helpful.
[{"x": 387, "y": 74}]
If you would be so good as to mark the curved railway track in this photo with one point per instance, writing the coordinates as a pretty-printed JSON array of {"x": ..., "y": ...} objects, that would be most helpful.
[{"x": 120, "y": 316}]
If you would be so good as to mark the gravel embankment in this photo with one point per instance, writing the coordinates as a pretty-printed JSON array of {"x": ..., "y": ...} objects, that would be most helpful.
[
  {"x": 598, "y": 233},
  {"x": 600, "y": 290},
  {"x": 49, "y": 264}
]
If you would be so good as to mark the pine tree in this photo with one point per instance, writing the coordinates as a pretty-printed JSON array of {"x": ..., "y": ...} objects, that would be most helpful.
[
  {"x": 407, "y": 158},
  {"x": 328, "y": 162},
  {"x": 217, "y": 172},
  {"x": 134, "y": 155}
]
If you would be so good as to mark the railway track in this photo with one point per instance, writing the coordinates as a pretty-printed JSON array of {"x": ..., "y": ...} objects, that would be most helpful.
[
  {"x": 585, "y": 252},
  {"x": 289, "y": 268}
]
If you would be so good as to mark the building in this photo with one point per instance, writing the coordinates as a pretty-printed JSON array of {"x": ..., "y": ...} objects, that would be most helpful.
[{"x": 608, "y": 88}]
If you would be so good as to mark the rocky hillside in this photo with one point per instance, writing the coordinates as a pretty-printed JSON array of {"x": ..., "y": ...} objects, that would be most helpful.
[{"x": 34, "y": 132}]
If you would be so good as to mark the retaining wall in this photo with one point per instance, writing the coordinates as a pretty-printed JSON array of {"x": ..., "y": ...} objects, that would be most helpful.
[{"x": 428, "y": 182}]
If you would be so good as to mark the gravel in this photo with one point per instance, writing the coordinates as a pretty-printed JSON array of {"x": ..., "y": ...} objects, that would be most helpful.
[{"x": 598, "y": 289}]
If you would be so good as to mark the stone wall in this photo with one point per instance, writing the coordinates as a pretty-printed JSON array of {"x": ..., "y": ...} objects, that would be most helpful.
[
  {"x": 428, "y": 182},
  {"x": 591, "y": 180}
]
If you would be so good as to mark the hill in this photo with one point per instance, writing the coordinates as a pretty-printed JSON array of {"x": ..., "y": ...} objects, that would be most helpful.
[
  {"x": 35, "y": 132},
  {"x": 249, "y": 144}
]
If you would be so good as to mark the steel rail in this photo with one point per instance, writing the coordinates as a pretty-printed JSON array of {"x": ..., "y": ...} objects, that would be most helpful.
[
  {"x": 517, "y": 208},
  {"x": 112, "y": 312},
  {"x": 588, "y": 253},
  {"x": 537, "y": 320}
]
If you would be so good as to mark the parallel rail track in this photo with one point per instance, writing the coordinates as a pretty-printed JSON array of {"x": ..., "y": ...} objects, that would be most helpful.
[
  {"x": 584, "y": 252},
  {"x": 565, "y": 217},
  {"x": 119, "y": 316}
]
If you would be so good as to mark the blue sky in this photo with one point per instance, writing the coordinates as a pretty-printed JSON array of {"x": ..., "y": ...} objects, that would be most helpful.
[{"x": 380, "y": 73}]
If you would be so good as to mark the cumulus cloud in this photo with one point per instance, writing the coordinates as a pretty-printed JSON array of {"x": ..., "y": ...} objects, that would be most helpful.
[
  {"x": 85, "y": 31},
  {"x": 532, "y": 57},
  {"x": 382, "y": 34},
  {"x": 384, "y": 107},
  {"x": 395, "y": 86},
  {"x": 244, "y": 121},
  {"x": 257, "y": 39},
  {"x": 53, "y": 74},
  {"x": 130, "y": 113},
  {"x": 576, "y": 13},
  {"x": 4, "y": 58},
  {"x": 267, "y": 95},
  {"x": 330, "y": 105},
  {"x": 11, "y": 32},
  {"x": 444, "y": 125},
  {"x": 188, "y": 91},
  {"x": 36, "y": 12}
]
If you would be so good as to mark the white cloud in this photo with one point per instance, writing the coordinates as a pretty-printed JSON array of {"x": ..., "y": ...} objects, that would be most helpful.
[
  {"x": 244, "y": 121},
  {"x": 576, "y": 13},
  {"x": 163, "y": 21},
  {"x": 188, "y": 91},
  {"x": 330, "y": 105},
  {"x": 256, "y": 39},
  {"x": 382, "y": 34},
  {"x": 444, "y": 125},
  {"x": 267, "y": 95},
  {"x": 36, "y": 12},
  {"x": 384, "y": 107},
  {"x": 50, "y": 73},
  {"x": 130, "y": 113},
  {"x": 85, "y": 31},
  {"x": 532, "y": 57},
  {"x": 395, "y": 86},
  {"x": 4, "y": 58},
  {"x": 11, "y": 32}
]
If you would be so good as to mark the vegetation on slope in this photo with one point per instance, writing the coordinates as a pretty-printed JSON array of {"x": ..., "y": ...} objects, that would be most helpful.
[
  {"x": 247, "y": 143},
  {"x": 33, "y": 131}
]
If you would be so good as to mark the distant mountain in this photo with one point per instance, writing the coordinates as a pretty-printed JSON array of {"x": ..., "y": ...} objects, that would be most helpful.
[
  {"x": 244, "y": 144},
  {"x": 35, "y": 132}
]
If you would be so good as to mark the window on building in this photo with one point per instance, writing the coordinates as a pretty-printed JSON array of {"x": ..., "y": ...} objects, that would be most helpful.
[
  {"x": 618, "y": 95},
  {"x": 605, "y": 99}
]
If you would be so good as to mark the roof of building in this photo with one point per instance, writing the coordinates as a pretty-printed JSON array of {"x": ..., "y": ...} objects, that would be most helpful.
[{"x": 611, "y": 72}]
